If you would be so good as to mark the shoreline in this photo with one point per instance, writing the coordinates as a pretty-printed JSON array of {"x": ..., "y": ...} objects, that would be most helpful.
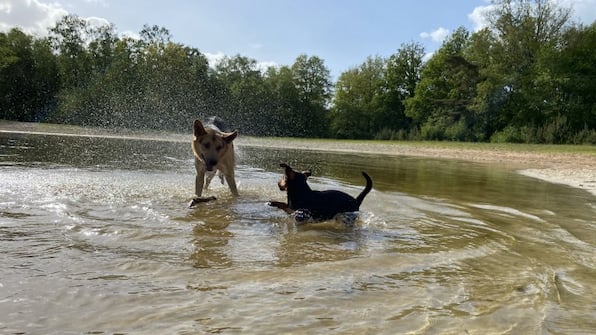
[
  {"x": 572, "y": 169},
  {"x": 577, "y": 170}
]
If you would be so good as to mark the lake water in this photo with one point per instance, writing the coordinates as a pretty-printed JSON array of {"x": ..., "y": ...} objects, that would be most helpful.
[{"x": 96, "y": 238}]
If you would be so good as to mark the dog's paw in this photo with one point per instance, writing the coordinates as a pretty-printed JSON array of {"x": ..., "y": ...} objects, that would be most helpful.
[
  {"x": 302, "y": 216},
  {"x": 198, "y": 200},
  {"x": 280, "y": 205}
]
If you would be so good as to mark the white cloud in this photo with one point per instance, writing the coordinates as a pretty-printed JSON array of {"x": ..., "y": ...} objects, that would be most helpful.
[
  {"x": 214, "y": 58},
  {"x": 584, "y": 11},
  {"x": 130, "y": 34},
  {"x": 427, "y": 56},
  {"x": 31, "y": 16},
  {"x": 437, "y": 35},
  {"x": 36, "y": 18},
  {"x": 97, "y": 21},
  {"x": 478, "y": 17}
]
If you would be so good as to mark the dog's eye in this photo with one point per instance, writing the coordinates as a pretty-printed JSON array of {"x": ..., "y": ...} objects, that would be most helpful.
[
  {"x": 207, "y": 145},
  {"x": 218, "y": 148}
]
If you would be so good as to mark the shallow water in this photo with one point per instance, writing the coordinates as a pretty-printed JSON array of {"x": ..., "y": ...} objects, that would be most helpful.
[{"x": 95, "y": 238}]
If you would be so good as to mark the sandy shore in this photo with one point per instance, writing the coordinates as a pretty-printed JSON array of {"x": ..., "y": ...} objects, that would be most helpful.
[{"x": 572, "y": 169}]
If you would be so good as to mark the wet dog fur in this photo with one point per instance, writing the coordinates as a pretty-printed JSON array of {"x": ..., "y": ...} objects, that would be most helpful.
[
  {"x": 214, "y": 152},
  {"x": 319, "y": 205}
]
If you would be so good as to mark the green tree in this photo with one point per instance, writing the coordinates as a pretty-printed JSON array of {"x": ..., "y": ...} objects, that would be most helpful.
[
  {"x": 249, "y": 103},
  {"x": 312, "y": 80},
  {"x": 28, "y": 77},
  {"x": 523, "y": 31},
  {"x": 491, "y": 91},
  {"x": 359, "y": 108},
  {"x": 149, "y": 82},
  {"x": 568, "y": 80},
  {"x": 68, "y": 39},
  {"x": 403, "y": 74},
  {"x": 575, "y": 68},
  {"x": 447, "y": 89},
  {"x": 284, "y": 101}
]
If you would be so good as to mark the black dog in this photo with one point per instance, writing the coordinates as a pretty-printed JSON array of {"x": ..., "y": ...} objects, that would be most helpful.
[{"x": 319, "y": 205}]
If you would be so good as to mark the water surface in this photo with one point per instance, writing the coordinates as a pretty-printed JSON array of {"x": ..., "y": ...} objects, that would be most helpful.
[{"x": 95, "y": 237}]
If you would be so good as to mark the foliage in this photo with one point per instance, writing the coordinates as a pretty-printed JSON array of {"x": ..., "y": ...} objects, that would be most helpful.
[
  {"x": 369, "y": 98},
  {"x": 28, "y": 77},
  {"x": 527, "y": 77}
]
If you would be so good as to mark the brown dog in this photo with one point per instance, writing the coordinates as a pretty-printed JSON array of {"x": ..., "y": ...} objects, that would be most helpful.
[
  {"x": 319, "y": 205},
  {"x": 214, "y": 151}
]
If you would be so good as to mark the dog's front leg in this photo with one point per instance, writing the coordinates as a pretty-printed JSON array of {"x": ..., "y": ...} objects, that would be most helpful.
[
  {"x": 199, "y": 178},
  {"x": 199, "y": 181},
  {"x": 231, "y": 182},
  {"x": 281, "y": 205},
  {"x": 209, "y": 176}
]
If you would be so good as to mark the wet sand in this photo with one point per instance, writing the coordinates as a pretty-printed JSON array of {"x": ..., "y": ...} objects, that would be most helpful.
[{"x": 572, "y": 169}]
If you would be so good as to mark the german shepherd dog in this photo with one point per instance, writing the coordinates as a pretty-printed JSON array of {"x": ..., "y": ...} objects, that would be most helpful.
[
  {"x": 213, "y": 151},
  {"x": 318, "y": 205}
]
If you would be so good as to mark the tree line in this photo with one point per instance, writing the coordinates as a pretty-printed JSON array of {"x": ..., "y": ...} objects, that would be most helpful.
[{"x": 528, "y": 76}]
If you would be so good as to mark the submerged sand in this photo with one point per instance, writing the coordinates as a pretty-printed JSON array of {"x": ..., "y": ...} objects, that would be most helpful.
[{"x": 572, "y": 169}]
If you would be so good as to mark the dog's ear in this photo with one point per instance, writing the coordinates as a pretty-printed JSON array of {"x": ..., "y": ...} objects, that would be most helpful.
[
  {"x": 289, "y": 172},
  {"x": 198, "y": 128},
  {"x": 229, "y": 137}
]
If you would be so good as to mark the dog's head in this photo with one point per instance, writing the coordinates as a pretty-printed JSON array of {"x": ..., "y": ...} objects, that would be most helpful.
[
  {"x": 210, "y": 144},
  {"x": 292, "y": 177}
]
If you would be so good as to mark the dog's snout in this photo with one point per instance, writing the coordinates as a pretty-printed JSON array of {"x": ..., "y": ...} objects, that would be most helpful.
[
  {"x": 282, "y": 184},
  {"x": 210, "y": 164}
]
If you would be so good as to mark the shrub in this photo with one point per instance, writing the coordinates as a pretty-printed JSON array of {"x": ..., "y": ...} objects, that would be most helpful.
[
  {"x": 458, "y": 132},
  {"x": 509, "y": 134}
]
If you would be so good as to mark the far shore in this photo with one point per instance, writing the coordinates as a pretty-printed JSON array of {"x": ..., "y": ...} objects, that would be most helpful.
[{"x": 576, "y": 168}]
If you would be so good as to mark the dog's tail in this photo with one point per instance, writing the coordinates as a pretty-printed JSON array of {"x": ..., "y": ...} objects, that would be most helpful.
[{"x": 367, "y": 188}]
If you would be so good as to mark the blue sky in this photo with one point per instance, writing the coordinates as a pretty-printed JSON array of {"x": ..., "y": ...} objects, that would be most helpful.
[{"x": 341, "y": 32}]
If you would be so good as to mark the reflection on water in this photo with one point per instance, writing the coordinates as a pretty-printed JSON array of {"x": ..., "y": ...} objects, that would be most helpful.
[{"x": 95, "y": 237}]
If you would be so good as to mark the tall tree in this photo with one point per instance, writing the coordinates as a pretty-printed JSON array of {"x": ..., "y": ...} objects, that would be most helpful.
[
  {"x": 441, "y": 104},
  {"x": 524, "y": 30},
  {"x": 568, "y": 80},
  {"x": 402, "y": 75},
  {"x": 359, "y": 109},
  {"x": 244, "y": 80},
  {"x": 69, "y": 37},
  {"x": 283, "y": 102},
  {"x": 28, "y": 77},
  {"x": 312, "y": 80}
]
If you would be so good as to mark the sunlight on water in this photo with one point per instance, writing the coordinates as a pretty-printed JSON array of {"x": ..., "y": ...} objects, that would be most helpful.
[{"x": 95, "y": 237}]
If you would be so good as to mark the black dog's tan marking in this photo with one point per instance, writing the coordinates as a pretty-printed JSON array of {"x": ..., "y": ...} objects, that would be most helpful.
[
  {"x": 321, "y": 205},
  {"x": 214, "y": 151}
]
